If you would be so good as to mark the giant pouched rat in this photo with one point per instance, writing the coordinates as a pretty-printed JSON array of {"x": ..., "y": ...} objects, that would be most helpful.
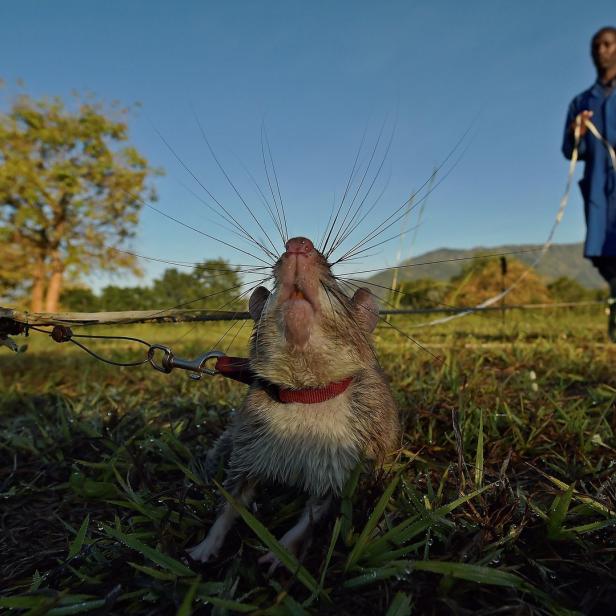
[{"x": 320, "y": 402}]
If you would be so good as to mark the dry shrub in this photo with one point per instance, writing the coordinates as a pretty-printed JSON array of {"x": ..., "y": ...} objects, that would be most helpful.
[{"x": 483, "y": 279}]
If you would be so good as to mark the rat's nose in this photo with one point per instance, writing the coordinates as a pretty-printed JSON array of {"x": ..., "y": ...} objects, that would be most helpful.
[{"x": 299, "y": 245}]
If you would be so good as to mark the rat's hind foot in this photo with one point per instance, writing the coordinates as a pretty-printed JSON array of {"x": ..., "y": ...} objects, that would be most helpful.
[
  {"x": 293, "y": 541},
  {"x": 208, "y": 549},
  {"x": 298, "y": 538}
]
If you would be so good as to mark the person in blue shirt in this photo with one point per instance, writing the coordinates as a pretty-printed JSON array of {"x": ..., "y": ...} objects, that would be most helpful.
[{"x": 598, "y": 185}]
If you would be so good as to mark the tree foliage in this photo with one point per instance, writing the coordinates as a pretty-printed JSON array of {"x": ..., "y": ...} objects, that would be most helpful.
[
  {"x": 211, "y": 284},
  {"x": 422, "y": 293},
  {"x": 565, "y": 289},
  {"x": 71, "y": 191}
]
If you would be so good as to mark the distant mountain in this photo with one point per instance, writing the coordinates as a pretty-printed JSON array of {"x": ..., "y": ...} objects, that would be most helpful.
[{"x": 560, "y": 260}]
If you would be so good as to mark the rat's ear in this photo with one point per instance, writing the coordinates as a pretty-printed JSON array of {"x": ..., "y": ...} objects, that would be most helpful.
[
  {"x": 367, "y": 309},
  {"x": 257, "y": 301}
]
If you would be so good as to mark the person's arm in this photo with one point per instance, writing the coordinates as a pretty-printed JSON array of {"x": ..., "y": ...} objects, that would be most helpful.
[{"x": 568, "y": 138}]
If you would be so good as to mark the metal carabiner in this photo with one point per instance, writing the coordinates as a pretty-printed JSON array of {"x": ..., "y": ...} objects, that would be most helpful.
[
  {"x": 169, "y": 361},
  {"x": 197, "y": 366},
  {"x": 165, "y": 363}
]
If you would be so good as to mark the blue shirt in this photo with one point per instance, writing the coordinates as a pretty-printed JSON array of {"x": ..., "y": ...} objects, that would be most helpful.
[{"x": 598, "y": 184}]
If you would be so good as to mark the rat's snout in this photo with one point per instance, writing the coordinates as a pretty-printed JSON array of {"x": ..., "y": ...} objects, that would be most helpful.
[
  {"x": 299, "y": 246},
  {"x": 297, "y": 295}
]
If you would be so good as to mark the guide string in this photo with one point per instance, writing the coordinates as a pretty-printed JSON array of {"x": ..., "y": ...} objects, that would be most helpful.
[{"x": 548, "y": 242}]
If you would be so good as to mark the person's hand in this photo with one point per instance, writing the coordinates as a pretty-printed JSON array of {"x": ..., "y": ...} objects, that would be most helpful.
[{"x": 583, "y": 116}]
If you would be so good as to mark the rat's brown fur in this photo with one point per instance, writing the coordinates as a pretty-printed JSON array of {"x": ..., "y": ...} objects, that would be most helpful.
[{"x": 313, "y": 446}]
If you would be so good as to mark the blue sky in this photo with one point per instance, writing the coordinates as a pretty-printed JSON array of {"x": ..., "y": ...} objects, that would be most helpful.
[{"x": 318, "y": 74}]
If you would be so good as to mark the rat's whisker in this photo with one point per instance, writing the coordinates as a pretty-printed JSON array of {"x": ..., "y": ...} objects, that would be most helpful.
[
  {"x": 453, "y": 259},
  {"x": 373, "y": 246},
  {"x": 231, "y": 219},
  {"x": 344, "y": 229},
  {"x": 265, "y": 202},
  {"x": 364, "y": 283},
  {"x": 242, "y": 325},
  {"x": 438, "y": 358},
  {"x": 271, "y": 159},
  {"x": 208, "y": 296},
  {"x": 363, "y": 256},
  {"x": 258, "y": 327},
  {"x": 357, "y": 190},
  {"x": 326, "y": 289},
  {"x": 400, "y": 331},
  {"x": 395, "y": 215},
  {"x": 206, "y": 204},
  {"x": 221, "y": 307},
  {"x": 273, "y": 254},
  {"x": 198, "y": 265},
  {"x": 343, "y": 301},
  {"x": 238, "y": 297},
  {"x": 187, "y": 226},
  {"x": 329, "y": 220},
  {"x": 328, "y": 229},
  {"x": 283, "y": 227},
  {"x": 365, "y": 215}
]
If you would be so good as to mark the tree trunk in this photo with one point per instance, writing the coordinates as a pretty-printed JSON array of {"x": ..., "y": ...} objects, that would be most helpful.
[
  {"x": 53, "y": 290},
  {"x": 38, "y": 288}
]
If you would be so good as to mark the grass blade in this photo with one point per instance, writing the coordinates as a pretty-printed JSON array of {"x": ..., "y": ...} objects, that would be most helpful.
[
  {"x": 558, "y": 513},
  {"x": 410, "y": 528},
  {"x": 21, "y": 602},
  {"x": 175, "y": 566},
  {"x": 185, "y": 608},
  {"x": 77, "y": 543},
  {"x": 479, "y": 454},
  {"x": 157, "y": 574},
  {"x": 229, "y": 604},
  {"x": 346, "y": 506},
  {"x": 77, "y": 608},
  {"x": 373, "y": 520},
  {"x": 400, "y": 606},
  {"x": 330, "y": 551},
  {"x": 471, "y": 573},
  {"x": 371, "y": 576},
  {"x": 283, "y": 555}
]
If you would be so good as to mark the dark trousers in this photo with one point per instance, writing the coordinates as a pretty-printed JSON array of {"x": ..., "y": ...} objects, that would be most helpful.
[{"x": 607, "y": 269}]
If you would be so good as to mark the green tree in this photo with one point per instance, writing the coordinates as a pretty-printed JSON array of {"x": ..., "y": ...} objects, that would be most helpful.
[
  {"x": 114, "y": 298},
  {"x": 175, "y": 288},
  {"x": 565, "y": 289},
  {"x": 211, "y": 284},
  {"x": 422, "y": 293},
  {"x": 71, "y": 191},
  {"x": 12, "y": 284},
  {"x": 222, "y": 284},
  {"x": 79, "y": 299}
]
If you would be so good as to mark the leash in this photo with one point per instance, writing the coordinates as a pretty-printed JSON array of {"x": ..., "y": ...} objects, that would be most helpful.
[
  {"x": 164, "y": 360},
  {"x": 238, "y": 369}
]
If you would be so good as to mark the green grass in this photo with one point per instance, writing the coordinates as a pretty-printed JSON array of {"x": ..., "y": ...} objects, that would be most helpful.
[{"x": 503, "y": 498}]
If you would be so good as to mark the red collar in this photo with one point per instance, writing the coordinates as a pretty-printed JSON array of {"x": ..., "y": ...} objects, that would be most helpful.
[
  {"x": 238, "y": 368},
  {"x": 315, "y": 394}
]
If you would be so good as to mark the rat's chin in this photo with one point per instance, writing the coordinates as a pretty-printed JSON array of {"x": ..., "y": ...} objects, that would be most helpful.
[{"x": 298, "y": 319}]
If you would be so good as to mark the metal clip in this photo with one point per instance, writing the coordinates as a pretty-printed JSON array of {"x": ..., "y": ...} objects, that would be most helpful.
[{"x": 169, "y": 361}]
